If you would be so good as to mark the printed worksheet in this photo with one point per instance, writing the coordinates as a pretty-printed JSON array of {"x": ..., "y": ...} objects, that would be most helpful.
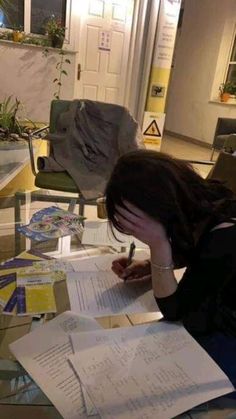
[
  {"x": 44, "y": 354},
  {"x": 100, "y": 293},
  {"x": 148, "y": 371},
  {"x": 104, "y": 262}
]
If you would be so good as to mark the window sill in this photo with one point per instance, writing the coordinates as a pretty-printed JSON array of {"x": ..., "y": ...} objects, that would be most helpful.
[
  {"x": 40, "y": 47},
  {"x": 231, "y": 102}
]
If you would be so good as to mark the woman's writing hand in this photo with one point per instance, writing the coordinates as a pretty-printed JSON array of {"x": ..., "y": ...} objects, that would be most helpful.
[{"x": 138, "y": 269}]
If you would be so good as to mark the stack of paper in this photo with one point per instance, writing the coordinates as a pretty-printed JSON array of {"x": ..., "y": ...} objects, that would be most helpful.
[
  {"x": 150, "y": 371},
  {"x": 44, "y": 354}
]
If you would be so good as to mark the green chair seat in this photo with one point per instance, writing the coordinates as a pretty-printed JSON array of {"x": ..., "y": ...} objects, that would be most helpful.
[{"x": 58, "y": 181}]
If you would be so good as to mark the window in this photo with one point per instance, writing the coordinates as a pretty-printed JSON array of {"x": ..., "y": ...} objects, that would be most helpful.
[
  {"x": 231, "y": 68},
  {"x": 41, "y": 11},
  {"x": 13, "y": 16}
]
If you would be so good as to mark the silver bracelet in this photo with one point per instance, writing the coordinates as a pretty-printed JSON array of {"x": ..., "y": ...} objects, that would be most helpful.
[{"x": 163, "y": 267}]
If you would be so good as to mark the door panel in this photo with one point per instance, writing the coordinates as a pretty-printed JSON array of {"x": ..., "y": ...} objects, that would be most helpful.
[
  {"x": 116, "y": 54},
  {"x": 110, "y": 94},
  {"x": 90, "y": 92},
  {"x": 105, "y": 29}
]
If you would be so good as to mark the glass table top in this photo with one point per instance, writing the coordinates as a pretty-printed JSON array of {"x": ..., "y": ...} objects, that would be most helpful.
[{"x": 18, "y": 392}]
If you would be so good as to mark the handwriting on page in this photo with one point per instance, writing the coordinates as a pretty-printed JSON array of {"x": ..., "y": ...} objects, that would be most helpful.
[{"x": 156, "y": 371}]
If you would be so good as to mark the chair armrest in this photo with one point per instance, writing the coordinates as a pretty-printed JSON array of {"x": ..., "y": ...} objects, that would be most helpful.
[{"x": 39, "y": 133}]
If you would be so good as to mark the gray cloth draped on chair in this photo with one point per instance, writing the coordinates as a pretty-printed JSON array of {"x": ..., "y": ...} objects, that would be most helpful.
[{"x": 88, "y": 140}]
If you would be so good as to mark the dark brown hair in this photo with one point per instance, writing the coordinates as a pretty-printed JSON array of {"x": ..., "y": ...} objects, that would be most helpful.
[{"x": 167, "y": 189}]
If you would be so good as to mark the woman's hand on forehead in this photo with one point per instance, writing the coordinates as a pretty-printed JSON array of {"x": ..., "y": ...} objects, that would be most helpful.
[{"x": 137, "y": 223}]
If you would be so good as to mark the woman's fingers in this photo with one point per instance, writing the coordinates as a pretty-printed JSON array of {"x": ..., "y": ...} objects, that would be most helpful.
[
  {"x": 129, "y": 214},
  {"x": 118, "y": 266},
  {"x": 129, "y": 221},
  {"x": 127, "y": 226},
  {"x": 135, "y": 210}
]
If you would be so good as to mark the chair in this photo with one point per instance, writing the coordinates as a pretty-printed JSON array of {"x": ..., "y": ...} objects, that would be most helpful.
[
  {"x": 58, "y": 181},
  {"x": 224, "y": 169},
  {"x": 224, "y": 127}
]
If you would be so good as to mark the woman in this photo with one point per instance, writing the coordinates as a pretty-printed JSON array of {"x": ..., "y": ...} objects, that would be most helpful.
[{"x": 186, "y": 221}]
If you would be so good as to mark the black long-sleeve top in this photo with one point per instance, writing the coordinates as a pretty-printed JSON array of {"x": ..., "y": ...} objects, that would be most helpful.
[{"x": 205, "y": 299}]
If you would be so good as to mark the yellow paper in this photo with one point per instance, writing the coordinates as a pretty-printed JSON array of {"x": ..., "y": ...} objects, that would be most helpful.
[{"x": 40, "y": 299}]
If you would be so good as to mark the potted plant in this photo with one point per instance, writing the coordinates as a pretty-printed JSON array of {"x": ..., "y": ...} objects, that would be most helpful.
[
  {"x": 226, "y": 90},
  {"x": 55, "y": 32},
  {"x": 12, "y": 131}
]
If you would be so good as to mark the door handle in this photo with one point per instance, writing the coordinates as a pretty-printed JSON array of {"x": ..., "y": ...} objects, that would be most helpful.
[{"x": 78, "y": 71}]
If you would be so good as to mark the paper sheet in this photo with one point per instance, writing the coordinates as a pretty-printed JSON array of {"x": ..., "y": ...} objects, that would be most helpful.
[
  {"x": 104, "y": 262},
  {"x": 100, "y": 293},
  {"x": 44, "y": 352},
  {"x": 149, "y": 371},
  {"x": 99, "y": 233}
]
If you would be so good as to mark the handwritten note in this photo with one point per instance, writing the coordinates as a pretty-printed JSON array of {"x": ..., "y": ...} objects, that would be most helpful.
[
  {"x": 149, "y": 371},
  {"x": 44, "y": 353}
]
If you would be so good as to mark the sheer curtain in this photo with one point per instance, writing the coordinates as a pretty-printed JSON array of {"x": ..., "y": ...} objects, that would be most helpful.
[{"x": 141, "y": 51}]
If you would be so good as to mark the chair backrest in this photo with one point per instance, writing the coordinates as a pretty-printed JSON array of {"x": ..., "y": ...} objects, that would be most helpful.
[
  {"x": 225, "y": 126},
  {"x": 225, "y": 170},
  {"x": 230, "y": 144},
  {"x": 57, "y": 107}
]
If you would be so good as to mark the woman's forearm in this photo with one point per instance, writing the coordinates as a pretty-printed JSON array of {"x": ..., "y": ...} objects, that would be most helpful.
[{"x": 163, "y": 279}]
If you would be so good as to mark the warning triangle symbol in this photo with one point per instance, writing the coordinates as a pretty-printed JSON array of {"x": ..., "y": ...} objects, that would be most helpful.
[{"x": 152, "y": 130}]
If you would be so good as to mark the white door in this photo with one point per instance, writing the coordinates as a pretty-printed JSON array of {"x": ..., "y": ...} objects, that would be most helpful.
[{"x": 103, "y": 49}]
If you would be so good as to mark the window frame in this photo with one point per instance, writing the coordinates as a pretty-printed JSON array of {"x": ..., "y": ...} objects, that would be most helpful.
[
  {"x": 27, "y": 22},
  {"x": 224, "y": 54},
  {"x": 229, "y": 62}
]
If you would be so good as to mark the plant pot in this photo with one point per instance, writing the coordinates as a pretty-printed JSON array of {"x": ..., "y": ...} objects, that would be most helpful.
[
  {"x": 17, "y": 36},
  {"x": 56, "y": 41},
  {"x": 224, "y": 97}
]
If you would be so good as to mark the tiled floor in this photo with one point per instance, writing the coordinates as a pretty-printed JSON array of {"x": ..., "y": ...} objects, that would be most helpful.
[{"x": 171, "y": 145}]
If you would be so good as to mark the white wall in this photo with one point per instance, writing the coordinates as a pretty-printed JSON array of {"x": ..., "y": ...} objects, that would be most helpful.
[
  {"x": 26, "y": 74},
  {"x": 189, "y": 110}
]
